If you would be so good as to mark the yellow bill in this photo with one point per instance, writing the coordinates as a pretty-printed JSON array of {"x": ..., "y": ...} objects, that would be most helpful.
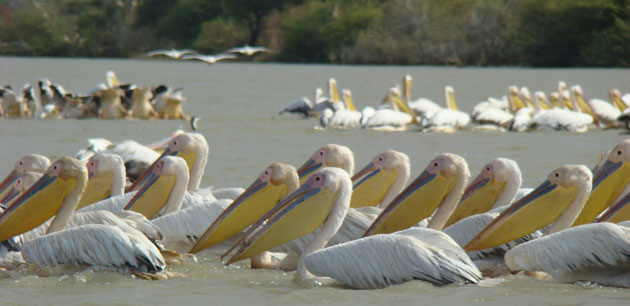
[
  {"x": 478, "y": 198},
  {"x": 372, "y": 186},
  {"x": 99, "y": 187}
]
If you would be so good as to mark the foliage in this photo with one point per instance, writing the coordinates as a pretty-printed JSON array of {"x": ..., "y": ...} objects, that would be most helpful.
[{"x": 437, "y": 32}]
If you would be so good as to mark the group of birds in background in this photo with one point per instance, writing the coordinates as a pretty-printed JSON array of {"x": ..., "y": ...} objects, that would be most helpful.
[
  {"x": 110, "y": 100},
  {"x": 189, "y": 54},
  {"x": 368, "y": 229},
  {"x": 566, "y": 109}
]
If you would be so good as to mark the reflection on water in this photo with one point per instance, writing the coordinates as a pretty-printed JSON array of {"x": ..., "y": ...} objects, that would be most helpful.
[{"x": 238, "y": 106}]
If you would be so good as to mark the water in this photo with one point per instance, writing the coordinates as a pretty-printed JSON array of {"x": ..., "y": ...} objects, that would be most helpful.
[{"x": 238, "y": 104}]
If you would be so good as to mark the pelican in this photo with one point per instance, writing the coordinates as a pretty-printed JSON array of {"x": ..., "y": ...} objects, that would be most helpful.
[
  {"x": 590, "y": 252},
  {"x": 275, "y": 182},
  {"x": 57, "y": 193},
  {"x": 582, "y": 105},
  {"x": 27, "y": 163},
  {"x": 391, "y": 119},
  {"x": 171, "y": 53},
  {"x": 172, "y": 106},
  {"x": 106, "y": 178},
  {"x": 495, "y": 186},
  {"x": 141, "y": 107},
  {"x": 304, "y": 106},
  {"x": 330, "y": 155},
  {"x": 422, "y": 107},
  {"x": 440, "y": 186},
  {"x": 608, "y": 112},
  {"x": 493, "y": 112},
  {"x": 449, "y": 117},
  {"x": 380, "y": 180},
  {"x": 608, "y": 183},
  {"x": 247, "y": 50},
  {"x": 19, "y": 186},
  {"x": 111, "y": 106},
  {"x": 324, "y": 198},
  {"x": 209, "y": 59},
  {"x": 343, "y": 118},
  {"x": 562, "y": 119}
]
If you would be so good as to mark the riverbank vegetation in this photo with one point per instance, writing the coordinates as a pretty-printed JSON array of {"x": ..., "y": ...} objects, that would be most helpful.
[{"x": 539, "y": 33}]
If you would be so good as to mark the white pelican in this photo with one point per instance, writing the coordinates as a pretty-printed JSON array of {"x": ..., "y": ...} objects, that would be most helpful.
[
  {"x": 57, "y": 193},
  {"x": 171, "y": 53},
  {"x": 609, "y": 181},
  {"x": 343, "y": 118},
  {"x": 106, "y": 178},
  {"x": 304, "y": 106},
  {"x": 422, "y": 107},
  {"x": 275, "y": 182},
  {"x": 330, "y": 155},
  {"x": 391, "y": 119},
  {"x": 247, "y": 50},
  {"x": 27, "y": 163},
  {"x": 608, "y": 112},
  {"x": 209, "y": 59},
  {"x": 495, "y": 186},
  {"x": 582, "y": 105},
  {"x": 590, "y": 252},
  {"x": 380, "y": 180},
  {"x": 111, "y": 105},
  {"x": 325, "y": 198},
  {"x": 141, "y": 107},
  {"x": 440, "y": 186},
  {"x": 562, "y": 119},
  {"x": 19, "y": 186},
  {"x": 493, "y": 112},
  {"x": 449, "y": 117}
]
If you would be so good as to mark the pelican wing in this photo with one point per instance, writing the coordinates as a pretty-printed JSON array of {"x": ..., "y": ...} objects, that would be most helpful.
[
  {"x": 581, "y": 249},
  {"x": 95, "y": 245},
  {"x": 382, "y": 260}
]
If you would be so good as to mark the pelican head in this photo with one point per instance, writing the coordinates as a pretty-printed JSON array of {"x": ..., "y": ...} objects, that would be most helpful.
[
  {"x": 330, "y": 155},
  {"x": 449, "y": 95},
  {"x": 57, "y": 192},
  {"x": 22, "y": 183},
  {"x": 193, "y": 148},
  {"x": 615, "y": 99},
  {"x": 333, "y": 93},
  {"x": 495, "y": 186},
  {"x": 558, "y": 199},
  {"x": 27, "y": 163},
  {"x": 407, "y": 81},
  {"x": 324, "y": 197},
  {"x": 381, "y": 180},
  {"x": 540, "y": 99},
  {"x": 106, "y": 178},
  {"x": 347, "y": 99},
  {"x": 163, "y": 187},
  {"x": 514, "y": 99},
  {"x": 366, "y": 113},
  {"x": 608, "y": 182},
  {"x": 554, "y": 98},
  {"x": 441, "y": 185},
  {"x": 275, "y": 182}
]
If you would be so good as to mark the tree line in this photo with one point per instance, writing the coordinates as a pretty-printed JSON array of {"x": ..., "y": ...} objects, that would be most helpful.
[{"x": 539, "y": 33}]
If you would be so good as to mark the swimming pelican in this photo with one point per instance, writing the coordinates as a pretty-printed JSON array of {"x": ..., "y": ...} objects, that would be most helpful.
[
  {"x": 562, "y": 119},
  {"x": 106, "y": 178},
  {"x": 608, "y": 183},
  {"x": 449, "y": 117},
  {"x": 380, "y": 180},
  {"x": 582, "y": 105},
  {"x": 422, "y": 107},
  {"x": 589, "y": 252},
  {"x": 305, "y": 107},
  {"x": 27, "y": 163},
  {"x": 388, "y": 118},
  {"x": 247, "y": 50},
  {"x": 608, "y": 112},
  {"x": 111, "y": 106},
  {"x": 209, "y": 59},
  {"x": 275, "y": 182},
  {"x": 343, "y": 118},
  {"x": 324, "y": 198},
  {"x": 495, "y": 186},
  {"x": 493, "y": 112},
  {"x": 330, "y": 155},
  {"x": 141, "y": 107},
  {"x": 171, "y": 53},
  {"x": 57, "y": 193},
  {"x": 440, "y": 186}
]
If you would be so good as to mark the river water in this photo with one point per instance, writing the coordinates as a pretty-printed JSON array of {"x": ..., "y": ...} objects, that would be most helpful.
[{"x": 238, "y": 105}]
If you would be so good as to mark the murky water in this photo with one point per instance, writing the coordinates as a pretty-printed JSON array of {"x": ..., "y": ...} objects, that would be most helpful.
[{"x": 238, "y": 104}]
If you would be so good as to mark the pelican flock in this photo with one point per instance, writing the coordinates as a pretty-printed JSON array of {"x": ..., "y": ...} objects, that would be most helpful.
[
  {"x": 370, "y": 229},
  {"x": 565, "y": 110}
]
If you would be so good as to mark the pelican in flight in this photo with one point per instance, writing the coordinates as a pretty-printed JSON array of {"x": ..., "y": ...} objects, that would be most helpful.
[
  {"x": 595, "y": 252},
  {"x": 209, "y": 59},
  {"x": 57, "y": 193},
  {"x": 247, "y": 50},
  {"x": 324, "y": 200},
  {"x": 171, "y": 53}
]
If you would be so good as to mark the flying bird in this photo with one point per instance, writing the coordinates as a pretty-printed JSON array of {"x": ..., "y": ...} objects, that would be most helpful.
[
  {"x": 209, "y": 59},
  {"x": 171, "y": 53},
  {"x": 247, "y": 50}
]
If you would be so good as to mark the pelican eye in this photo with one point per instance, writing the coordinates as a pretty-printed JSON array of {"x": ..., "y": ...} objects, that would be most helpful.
[
  {"x": 318, "y": 178},
  {"x": 380, "y": 159},
  {"x": 266, "y": 172},
  {"x": 557, "y": 174},
  {"x": 321, "y": 153},
  {"x": 488, "y": 169},
  {"x": 619, "y": 152},
  {"x": 21, "y": 163},
  {"x": 435, "y": 164}
]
